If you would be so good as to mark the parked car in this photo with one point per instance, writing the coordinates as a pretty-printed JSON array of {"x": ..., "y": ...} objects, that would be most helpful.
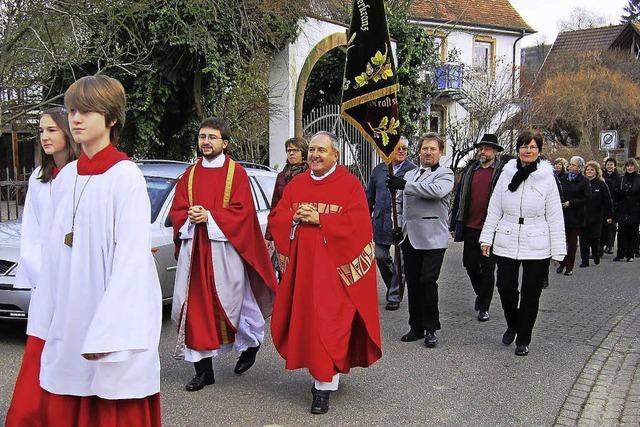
[{"x": 161, "y": 177}]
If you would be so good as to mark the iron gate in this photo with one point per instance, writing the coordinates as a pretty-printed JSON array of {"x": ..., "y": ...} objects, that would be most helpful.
[{"x": 355, "y": 152}]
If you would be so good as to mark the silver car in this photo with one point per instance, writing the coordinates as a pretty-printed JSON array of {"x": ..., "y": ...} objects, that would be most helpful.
[{"x": 161, "y": 177}]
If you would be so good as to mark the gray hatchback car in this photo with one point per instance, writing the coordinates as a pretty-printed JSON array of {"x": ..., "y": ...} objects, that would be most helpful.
[{"x": 161, "y": 177}]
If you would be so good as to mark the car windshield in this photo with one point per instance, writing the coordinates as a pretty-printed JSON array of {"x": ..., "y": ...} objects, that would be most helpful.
[{"x": 158, "y": 189}]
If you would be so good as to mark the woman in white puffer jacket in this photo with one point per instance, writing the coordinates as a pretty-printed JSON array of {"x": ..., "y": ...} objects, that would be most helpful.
[{"x": 524, "y": 226}]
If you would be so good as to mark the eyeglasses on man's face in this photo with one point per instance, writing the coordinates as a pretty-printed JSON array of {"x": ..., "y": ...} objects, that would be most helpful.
[{"x": 208, "y": 136}]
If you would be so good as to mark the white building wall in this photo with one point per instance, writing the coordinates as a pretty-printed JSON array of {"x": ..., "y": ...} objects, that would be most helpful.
[
  {"x": 284, "y": 73},
  {"x": 461, "y": 41}
]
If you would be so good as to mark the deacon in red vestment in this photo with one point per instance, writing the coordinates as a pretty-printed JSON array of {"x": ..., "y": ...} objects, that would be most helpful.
[
  {"x": 325, "y": 316},
  {"x": 225, "y": 279}
]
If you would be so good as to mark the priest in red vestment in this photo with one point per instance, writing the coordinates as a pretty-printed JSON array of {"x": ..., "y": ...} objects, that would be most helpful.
[
  {"x": 225, "y": 279},
  {"x": 325, "y": 317}
]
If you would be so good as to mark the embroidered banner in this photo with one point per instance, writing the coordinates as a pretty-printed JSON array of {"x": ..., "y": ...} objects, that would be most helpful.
[
  {"x": 352, "y": 272},
  {"x": 370, "y": 85}
]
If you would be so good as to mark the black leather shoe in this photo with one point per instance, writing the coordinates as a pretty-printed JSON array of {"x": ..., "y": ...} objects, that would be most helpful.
[
  {"x": 596, "y": 260},
  {"x": 200, "y": 380},
  {"x": 320, "y": 402},
  {"x": 584, "y": 264},
  {"x": 608, "y": 250},
  {"x": 246, "y": 360},
  {"x": 412, "y": 336},
  {"x": 430, "y": 339},
  {"x": 483, "y": 316},
  {"x": 392, "y": 306},
  {"x": 568, "y": 273},
  {"x": 508, "y": 337},
  {"x": 616, "y": 259},
  {"x": 522, "y": 350},
  {"x": 559, "y": 269}
]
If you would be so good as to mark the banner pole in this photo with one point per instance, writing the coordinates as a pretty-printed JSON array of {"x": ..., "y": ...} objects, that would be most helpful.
[{"x": 397, "y": 259}]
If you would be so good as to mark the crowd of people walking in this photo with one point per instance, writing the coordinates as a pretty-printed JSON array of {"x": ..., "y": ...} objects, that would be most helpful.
[{"x": 94, "y": 323}]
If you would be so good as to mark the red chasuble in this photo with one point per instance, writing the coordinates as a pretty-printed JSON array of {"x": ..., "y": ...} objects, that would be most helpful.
[
  {"x": 240, "y": 225},
  {"x": 325, "y": 317}
]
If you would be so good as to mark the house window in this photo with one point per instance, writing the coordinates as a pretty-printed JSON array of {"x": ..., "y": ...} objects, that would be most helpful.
[
  {"x": 436, "y": 119},
  {"x": 440, "y": 46},
  {"x": 483, "y": 55}
]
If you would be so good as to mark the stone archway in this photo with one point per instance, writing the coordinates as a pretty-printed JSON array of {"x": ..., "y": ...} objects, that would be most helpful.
[
  {"x": 324, "y": 46},
  {"x": 288, "y": 76}
]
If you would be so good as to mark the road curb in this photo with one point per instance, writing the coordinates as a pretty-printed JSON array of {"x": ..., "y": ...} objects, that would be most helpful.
[{"x": 607, "y": 390}]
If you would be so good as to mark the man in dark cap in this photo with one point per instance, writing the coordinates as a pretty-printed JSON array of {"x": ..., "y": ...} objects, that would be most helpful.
[{"x": 468, "y": 215}]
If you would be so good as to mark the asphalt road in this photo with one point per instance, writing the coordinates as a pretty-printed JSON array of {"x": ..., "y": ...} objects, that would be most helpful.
[{"x": 470, "y": 378}]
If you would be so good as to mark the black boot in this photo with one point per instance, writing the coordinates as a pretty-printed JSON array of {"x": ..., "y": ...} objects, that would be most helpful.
[
  {"x": 246, "y": 360},
  {"x": 204, "y": 375},
  {"x": 320, "y": 403},
  {"x": 413, "y": 335}
]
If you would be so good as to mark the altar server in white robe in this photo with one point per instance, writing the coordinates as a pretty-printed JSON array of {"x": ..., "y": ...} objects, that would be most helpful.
[
  {"x": 101, "y": 295},
  {"x": 56, "y": 149}
]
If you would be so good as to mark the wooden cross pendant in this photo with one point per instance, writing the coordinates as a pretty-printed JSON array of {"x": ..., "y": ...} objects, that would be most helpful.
[{"x": 68, "y": 239}]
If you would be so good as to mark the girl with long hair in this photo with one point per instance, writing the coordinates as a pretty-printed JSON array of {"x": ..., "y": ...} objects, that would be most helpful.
[{"x": 56, "y": 149}]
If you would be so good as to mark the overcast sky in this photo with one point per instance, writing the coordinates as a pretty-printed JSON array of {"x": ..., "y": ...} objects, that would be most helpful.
[{"x": 544, "y": 15}]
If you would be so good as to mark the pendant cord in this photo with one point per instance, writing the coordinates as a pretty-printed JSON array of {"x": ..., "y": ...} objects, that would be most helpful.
[{"x": 76, "y": 205}]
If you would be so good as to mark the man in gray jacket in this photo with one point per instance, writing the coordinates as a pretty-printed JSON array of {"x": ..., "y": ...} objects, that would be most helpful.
[
  {"x": 379, "y": 199},
  {"x": 425, "y": 235}
]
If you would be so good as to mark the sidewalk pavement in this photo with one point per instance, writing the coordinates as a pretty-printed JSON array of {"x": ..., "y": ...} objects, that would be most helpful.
[{"x": 582, "y": 369}]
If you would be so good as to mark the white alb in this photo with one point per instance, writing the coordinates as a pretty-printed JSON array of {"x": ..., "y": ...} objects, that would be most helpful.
[{"x": 102, "y": 295}]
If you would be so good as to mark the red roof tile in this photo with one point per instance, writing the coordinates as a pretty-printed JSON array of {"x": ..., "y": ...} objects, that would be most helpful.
[{"x": 498, "y": 14}]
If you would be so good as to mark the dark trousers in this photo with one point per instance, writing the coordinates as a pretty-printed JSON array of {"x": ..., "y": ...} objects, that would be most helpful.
[
  {"x": 608, "y": 236},
  {"x": 203, "y": 365},
  {"x": 388, "y": 271},
  {"x": 422, "y": 269},
  {"x": 572, "y": 247},
  {"x": 480, "y": 268},
  {"x": 520, "y": 308},
  {"x": 590, "y": 241},
  {"x": 627, "y": 240}
]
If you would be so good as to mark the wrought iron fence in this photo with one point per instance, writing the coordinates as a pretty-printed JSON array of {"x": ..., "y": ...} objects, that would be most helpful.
[
  {"x": 13, "y": 188},
  {"x": 355, "y": 152}
]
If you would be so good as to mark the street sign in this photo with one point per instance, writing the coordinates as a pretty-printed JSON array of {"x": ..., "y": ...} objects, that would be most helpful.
[{"x": 609, "y": 140}]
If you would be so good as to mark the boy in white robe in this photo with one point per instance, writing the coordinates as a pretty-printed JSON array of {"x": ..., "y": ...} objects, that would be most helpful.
[{"x": 101, "y": 299}]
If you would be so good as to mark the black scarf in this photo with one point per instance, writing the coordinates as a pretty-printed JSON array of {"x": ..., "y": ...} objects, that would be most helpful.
[
  {"x": 522, "y": 174},
  {"x": 292, "y": 170}
]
